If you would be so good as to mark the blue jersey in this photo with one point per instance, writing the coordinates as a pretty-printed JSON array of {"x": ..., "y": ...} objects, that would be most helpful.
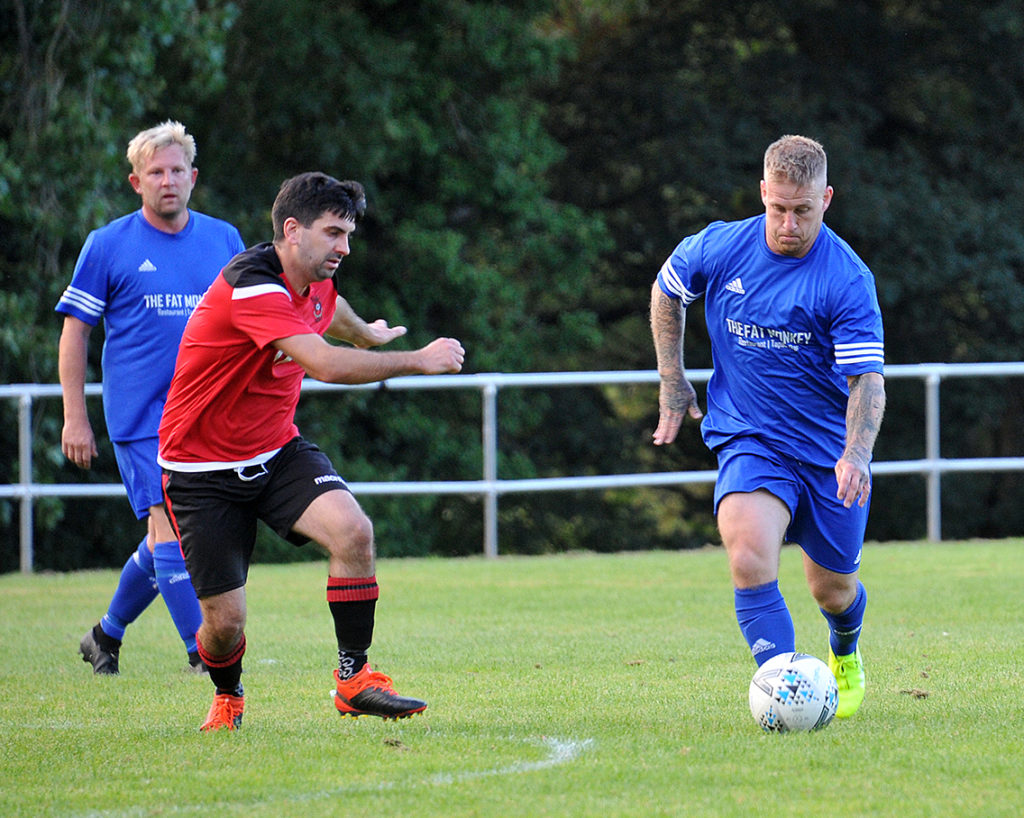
[
  {"x": 143, "y": 284},
  {"x": 785, "y": 334}
]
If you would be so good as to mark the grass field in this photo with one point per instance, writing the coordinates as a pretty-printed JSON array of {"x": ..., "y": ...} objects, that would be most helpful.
[{"x": 577, "y": 685}]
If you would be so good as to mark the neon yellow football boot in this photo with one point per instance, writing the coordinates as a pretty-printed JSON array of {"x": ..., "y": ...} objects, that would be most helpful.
[{"x": 849, "y": 673}]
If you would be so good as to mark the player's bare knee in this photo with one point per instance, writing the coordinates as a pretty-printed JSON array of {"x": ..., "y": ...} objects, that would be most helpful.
[
  {"x": 835, "y": 596},
  {"x": 835, "y": 602},
  {"x": 223, "y": 624},
  {"x": 751, "y": 566},
  {"x": 354, "y": 540},
  {"x": 220, "y": 638}
]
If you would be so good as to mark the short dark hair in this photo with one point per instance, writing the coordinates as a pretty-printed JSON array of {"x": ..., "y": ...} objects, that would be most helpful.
[{"x": 308, "y": 196}]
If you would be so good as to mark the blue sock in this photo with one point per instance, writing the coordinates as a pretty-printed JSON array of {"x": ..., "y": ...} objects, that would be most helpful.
[
  {"x": 765, "y": 621},
  {"x": 844, "y": 628},
  {"x": 176, "y": 587},
  {"x": 135, "y": 590}
]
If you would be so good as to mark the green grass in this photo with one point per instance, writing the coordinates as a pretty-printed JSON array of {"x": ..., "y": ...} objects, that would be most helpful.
[{"x": 578, "y": 685}]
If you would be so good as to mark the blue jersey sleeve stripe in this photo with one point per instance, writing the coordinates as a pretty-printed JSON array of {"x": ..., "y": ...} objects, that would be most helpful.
[
  {"x": 860, "y": 359},
  {"x": 867, "y": 352},
  {"x": 867, "y": 349},
  {"x": 84, "y": 298},
  {"x": 670, "y": 282},
  {"x": 83, "y": 301}
]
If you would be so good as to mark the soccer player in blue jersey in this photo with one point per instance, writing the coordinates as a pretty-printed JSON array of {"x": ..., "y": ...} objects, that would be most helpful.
[
  {"x": 794, "y": 404},
  {"x": 141, "y": 275}
]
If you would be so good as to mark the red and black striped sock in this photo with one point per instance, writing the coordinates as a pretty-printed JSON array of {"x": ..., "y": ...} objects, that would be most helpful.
[
  {"x": 353, "y": 602},
  {"x": 226, "y": 670}
]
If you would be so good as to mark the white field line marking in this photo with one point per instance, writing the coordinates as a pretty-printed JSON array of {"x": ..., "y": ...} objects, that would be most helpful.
[{"x": 560, "y": 751}]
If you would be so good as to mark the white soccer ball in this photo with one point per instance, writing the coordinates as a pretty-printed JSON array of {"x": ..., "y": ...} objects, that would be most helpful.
[{"x": 793, "y": 692}]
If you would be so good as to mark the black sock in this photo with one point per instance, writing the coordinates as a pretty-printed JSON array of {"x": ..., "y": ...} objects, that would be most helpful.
[
  {"x": 225, "y": 671},
  {"x": 353, "y": 603}
]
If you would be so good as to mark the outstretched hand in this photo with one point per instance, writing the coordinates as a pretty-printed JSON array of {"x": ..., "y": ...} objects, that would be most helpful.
[
  {"x": 442, "y": 356},
  {"x": 379, "y": 333}
]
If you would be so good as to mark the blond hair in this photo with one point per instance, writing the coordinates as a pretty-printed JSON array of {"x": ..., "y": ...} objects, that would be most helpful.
[
  {"x": 797, "y": 159},
  {"x": 145, "y": 143}
]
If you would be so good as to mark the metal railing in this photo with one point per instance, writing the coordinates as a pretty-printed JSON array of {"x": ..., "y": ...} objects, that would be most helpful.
[{"x": 490, "y": 487}]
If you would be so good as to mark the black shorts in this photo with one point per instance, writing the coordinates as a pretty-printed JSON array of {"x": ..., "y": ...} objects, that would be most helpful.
[{"x": 215, "y": 512}]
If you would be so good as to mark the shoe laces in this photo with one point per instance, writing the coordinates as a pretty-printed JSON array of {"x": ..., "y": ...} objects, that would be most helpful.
[
  {"x": 845, "y": 666},
  {"x": 224, "y": 710},
  {"x": 365, "y": 680},
  {"x": 378, "y": 679}
]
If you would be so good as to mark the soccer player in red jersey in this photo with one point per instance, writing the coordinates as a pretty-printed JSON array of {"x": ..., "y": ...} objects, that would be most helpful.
[{"x": 231, "y": 452}]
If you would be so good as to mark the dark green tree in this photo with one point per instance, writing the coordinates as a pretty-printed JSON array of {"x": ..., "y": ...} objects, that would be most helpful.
[
  {"x": 529, "y": 165},
  {"x": 432, "y": 105},
  {"x": 77, "y": 80},
  {"x": 665, "y": 116}
]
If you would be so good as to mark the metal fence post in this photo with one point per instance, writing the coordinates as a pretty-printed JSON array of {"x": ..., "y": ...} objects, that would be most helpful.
[
  {"x": 932, "y": 455},
  {"x": 490, "y": 458},
  {"x": 25, "y": 476}
]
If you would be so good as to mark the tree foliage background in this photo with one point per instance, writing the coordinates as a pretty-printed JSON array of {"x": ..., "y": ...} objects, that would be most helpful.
[{"x": 529, "y": 166}]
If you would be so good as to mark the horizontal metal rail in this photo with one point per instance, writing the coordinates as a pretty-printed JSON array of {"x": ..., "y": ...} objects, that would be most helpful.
[{"x": 491, "y": 487}]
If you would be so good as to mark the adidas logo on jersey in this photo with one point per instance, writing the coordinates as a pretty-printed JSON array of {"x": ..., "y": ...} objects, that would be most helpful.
[
  {"x": 147, "y": 267},
  {"x": 736, "y": 286}
]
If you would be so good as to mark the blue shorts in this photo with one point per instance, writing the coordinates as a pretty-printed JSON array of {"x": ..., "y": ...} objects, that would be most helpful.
[
  {"x": 141, "y": 474},
  {"x": 829, "y": 533}
]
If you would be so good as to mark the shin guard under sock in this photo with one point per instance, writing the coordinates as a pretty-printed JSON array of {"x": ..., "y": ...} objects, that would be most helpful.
[
  {"x": 844, "y": 628},
  {"x": 226, "y": 670},
  {"x": 353, "y": 603},
  {"x": 765, "y": 621},
  {"x": 176, "y": 587},
  {"x": 136, "y": 588}
]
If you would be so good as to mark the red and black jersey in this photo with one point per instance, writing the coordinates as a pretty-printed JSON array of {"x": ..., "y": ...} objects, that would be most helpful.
[{"x": 233, "y": 395}]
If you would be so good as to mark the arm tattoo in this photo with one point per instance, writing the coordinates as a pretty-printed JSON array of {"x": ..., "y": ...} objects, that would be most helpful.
[
  {"x": 667, "y": 324},
  {"x": 864, "y": 412}
]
